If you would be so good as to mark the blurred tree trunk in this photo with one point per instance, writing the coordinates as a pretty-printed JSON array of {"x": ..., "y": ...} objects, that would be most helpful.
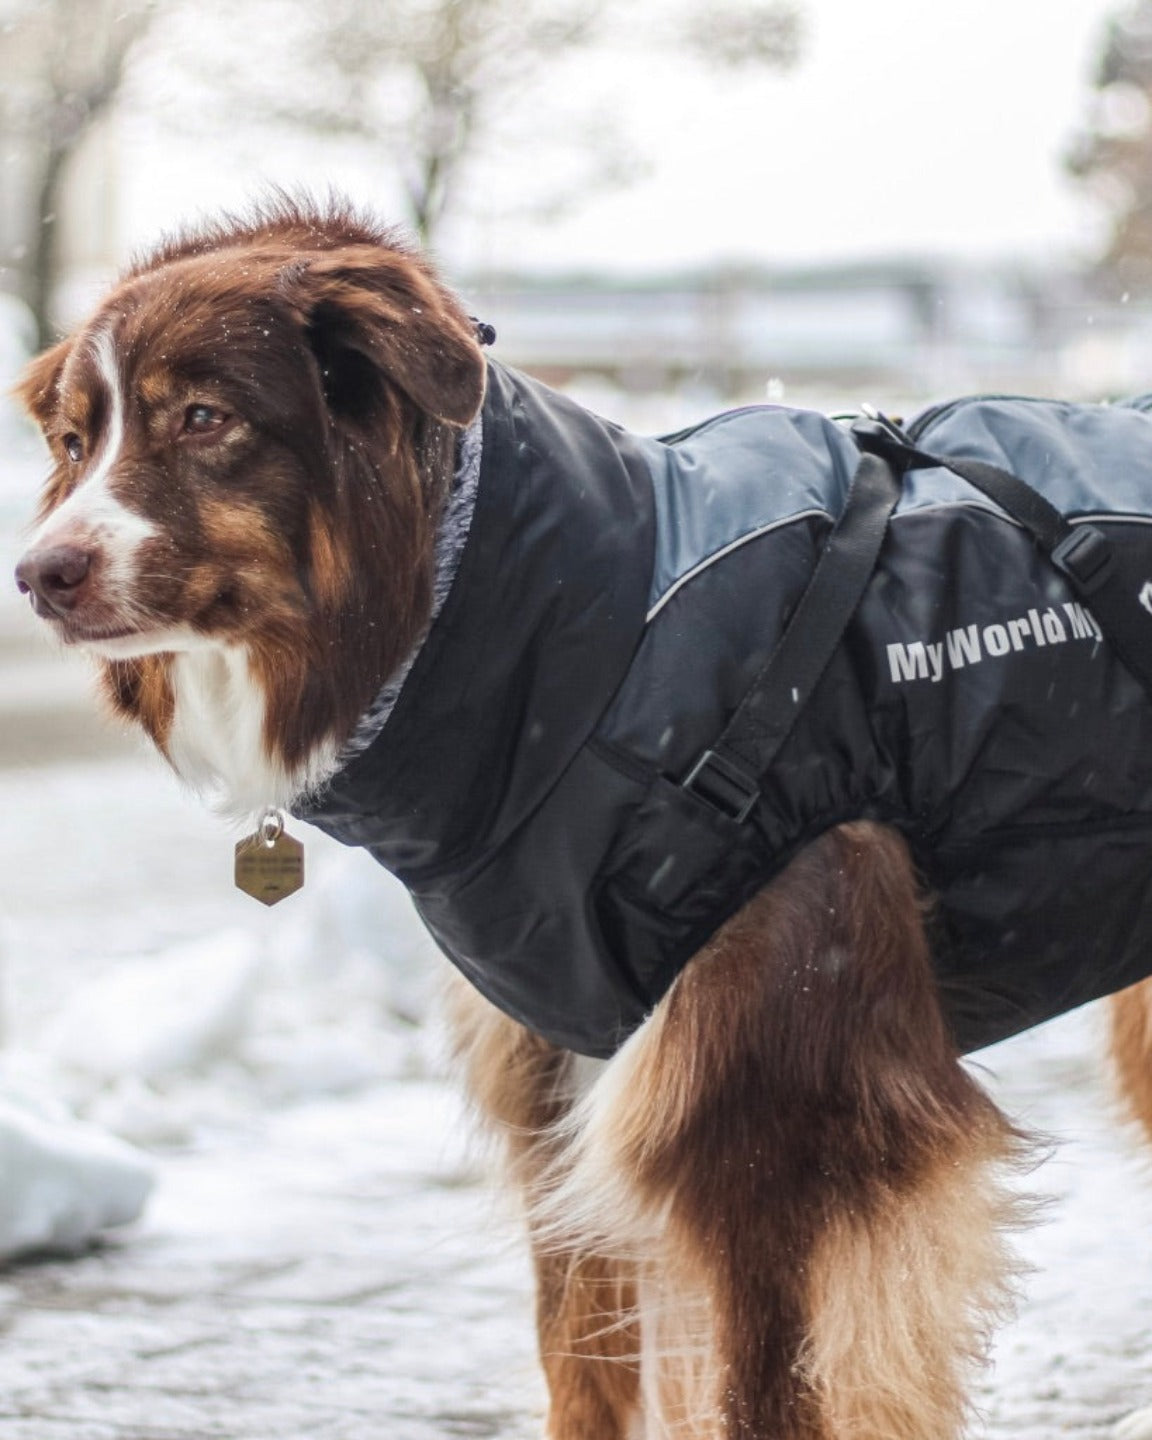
[
  {"x": 62, "y": 66},
  {"x": 1113, "y": 154},
  {"x": 42, "y": 248}
]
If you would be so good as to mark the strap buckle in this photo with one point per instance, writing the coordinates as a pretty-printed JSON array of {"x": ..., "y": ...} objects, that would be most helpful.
[
  {"x": 875, "y": 434},
  {"x": 723, "y": 785},
  {"x": 1085, "y": 555}
]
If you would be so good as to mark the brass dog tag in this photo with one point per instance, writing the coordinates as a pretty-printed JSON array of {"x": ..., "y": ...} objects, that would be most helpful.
[{"x": 269, "y": 862}]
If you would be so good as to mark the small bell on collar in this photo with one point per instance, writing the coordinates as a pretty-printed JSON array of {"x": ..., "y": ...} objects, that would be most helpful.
[{"x": 269, "y": 863}]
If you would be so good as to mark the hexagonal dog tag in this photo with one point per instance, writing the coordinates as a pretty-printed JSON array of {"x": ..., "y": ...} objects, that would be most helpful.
[{"x": 269, "y": 863}]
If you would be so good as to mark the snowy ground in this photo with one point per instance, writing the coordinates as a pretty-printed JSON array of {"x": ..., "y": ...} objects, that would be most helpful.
[{"x": 320, "y": 1258}]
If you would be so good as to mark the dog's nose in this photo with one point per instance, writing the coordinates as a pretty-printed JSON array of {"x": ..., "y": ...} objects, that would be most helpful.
[{"x": 54, "y": 577}]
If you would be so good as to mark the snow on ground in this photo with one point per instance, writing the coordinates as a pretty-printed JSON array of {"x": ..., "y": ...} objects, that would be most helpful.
[
  {"x": 321, "y": 1257},
  {"x": 157, "y": 994},
  {"x": 1079, "y": 1355}
]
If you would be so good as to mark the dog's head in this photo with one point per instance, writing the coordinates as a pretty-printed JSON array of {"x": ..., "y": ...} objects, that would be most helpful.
[{"x": 250, "y": 440}]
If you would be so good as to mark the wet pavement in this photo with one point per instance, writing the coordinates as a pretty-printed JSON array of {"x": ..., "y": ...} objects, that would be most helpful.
[{"x": 340, "y": 1276}]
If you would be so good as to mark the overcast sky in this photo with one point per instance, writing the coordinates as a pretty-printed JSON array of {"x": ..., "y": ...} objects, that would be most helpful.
[{"x": 910, "y": 126}]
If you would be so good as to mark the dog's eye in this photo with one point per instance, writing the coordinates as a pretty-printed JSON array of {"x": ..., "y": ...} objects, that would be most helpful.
[
  {"x": 73, "y": 447},
  {"x": 203, "y": 419}
]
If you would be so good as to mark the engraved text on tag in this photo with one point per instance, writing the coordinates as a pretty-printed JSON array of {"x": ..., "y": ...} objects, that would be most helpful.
[{"x": 269, "y": 863}]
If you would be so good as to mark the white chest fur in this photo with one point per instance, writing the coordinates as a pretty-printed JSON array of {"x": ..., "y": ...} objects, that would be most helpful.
[{"x": 218, "y": 744}]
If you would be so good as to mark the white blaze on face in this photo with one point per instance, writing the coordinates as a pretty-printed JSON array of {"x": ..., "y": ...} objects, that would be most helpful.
[{"x": 92, "y": 517}]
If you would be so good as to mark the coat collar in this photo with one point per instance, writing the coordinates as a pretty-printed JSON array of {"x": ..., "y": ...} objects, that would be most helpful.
[
  {"x": 451, "y": 538},
  {"x": 536, "y": 632}
]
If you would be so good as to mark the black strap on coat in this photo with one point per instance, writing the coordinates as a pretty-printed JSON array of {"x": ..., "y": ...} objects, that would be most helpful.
[
  {"x": 1081, "y": 552},
  {"x": 727, "y": 775}
]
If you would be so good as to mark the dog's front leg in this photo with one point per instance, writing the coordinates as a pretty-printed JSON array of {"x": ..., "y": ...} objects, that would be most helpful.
[
  {"x": 589, "y": 1344},
  {"x": 585, "y": 1302},
  {"x": 813, "y": 1174}
]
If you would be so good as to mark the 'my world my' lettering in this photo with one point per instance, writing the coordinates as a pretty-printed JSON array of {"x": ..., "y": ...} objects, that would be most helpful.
[{"x": 975, "y": 643}]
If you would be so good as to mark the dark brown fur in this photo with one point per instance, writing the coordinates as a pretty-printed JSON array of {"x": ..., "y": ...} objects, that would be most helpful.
[{"x": 352, "y": 367}]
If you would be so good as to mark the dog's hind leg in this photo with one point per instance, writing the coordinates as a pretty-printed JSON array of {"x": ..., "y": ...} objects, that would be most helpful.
[
  {"x": 824, "y": 1174},
  {"x": 585, "y": 1301}
]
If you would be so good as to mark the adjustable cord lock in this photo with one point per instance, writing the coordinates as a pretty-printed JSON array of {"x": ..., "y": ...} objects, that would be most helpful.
[
  {"x": 1085, "y": 556},
  {"x": 723, "y": 785}
]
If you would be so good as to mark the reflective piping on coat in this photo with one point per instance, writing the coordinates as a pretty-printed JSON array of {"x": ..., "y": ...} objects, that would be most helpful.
[
  {"x": 740, "y": 540},
  {"x": 1104, "y": 516},
  {"x": 1095, "y": 517}
]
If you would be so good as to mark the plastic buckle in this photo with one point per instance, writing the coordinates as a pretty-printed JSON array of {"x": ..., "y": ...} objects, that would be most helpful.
[
  {"x": 875, "y": 434},
  {"x": 723, "y": 785},
  {"x": 1085, "y": 555}
]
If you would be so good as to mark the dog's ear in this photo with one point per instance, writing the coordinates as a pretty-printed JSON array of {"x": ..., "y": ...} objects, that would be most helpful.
[
  {"x": 366, "y": 306},
  {"x": 38, "y": 388}
]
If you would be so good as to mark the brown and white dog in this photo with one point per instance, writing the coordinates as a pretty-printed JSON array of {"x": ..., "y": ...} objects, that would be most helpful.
[{"x": 758, "y": 1220}]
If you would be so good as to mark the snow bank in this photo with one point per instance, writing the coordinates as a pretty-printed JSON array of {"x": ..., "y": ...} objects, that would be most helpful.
[
  {"x": 151, "y": 1038},
  {"x": 160, "y": 1016},
  {"x": 62, "y": 1182},
  {"x": 166, "y": 1048}
]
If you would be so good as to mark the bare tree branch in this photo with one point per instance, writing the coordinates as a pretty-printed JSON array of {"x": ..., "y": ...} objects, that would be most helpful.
[
  {"x": 743, "y": 35},
  {"x": 429, "y": 83},
  {"x": 431, "y": 86},
  {"x": 62, "y": 65},
  {"x": 1113, "y": 153}
]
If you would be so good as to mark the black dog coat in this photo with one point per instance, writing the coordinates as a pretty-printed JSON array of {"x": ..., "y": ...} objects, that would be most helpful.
[{"x": 616, "y": 600}]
